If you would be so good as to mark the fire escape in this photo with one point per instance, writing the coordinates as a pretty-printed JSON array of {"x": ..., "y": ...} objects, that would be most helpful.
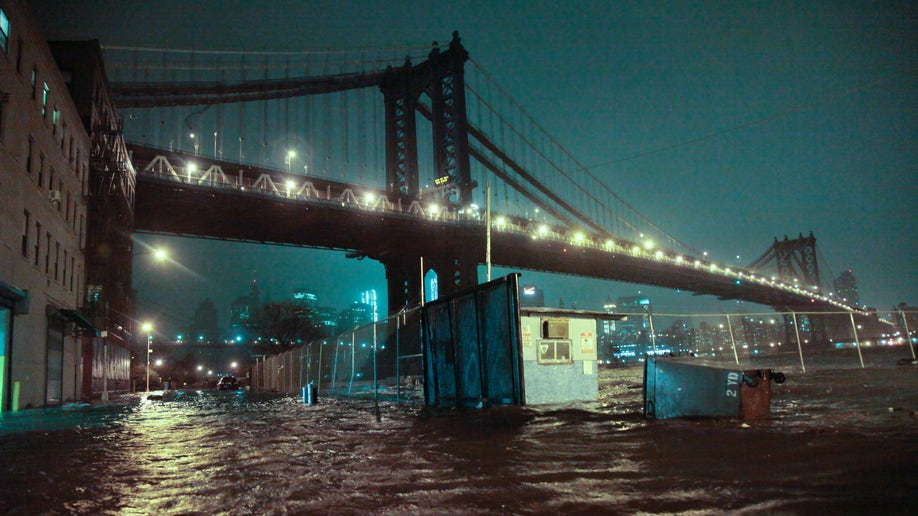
[{"x": 109, "y": 301}]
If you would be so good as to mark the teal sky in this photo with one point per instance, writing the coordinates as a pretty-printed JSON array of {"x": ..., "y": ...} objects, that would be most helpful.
[{"x": 726, "y": 123}]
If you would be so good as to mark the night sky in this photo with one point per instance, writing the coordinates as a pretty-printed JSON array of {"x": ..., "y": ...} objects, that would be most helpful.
[{"x": 726, "y": 123}]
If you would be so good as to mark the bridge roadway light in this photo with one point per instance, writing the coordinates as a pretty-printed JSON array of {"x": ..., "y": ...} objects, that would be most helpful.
[{"x": 191, "y": 168}]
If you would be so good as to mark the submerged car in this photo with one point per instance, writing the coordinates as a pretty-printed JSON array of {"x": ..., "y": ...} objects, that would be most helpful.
[{"x": 228, "y": 383}]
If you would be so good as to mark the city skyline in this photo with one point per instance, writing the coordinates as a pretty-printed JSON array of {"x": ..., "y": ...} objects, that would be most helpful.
[{"x": 726, "y": 125}]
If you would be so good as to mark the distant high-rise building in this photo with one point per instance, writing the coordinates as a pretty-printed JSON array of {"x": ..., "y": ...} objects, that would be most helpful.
[
  {"x": 368, "y": 297},
  {"x": 531, "y": 295},
  {"x": 356, "y": 315},
  {"x": 607, "y": 326},
  {"x": 846, "y": 288},
  {"x": 204, "y": 327},
  {"x": 304, "y": 298},
  {"x": 632, "y": 341},
  {"x": 244, "y": 310},
  {"x": 327, "y": 319}
]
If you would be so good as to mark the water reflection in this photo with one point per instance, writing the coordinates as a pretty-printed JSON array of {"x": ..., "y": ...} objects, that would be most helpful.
[{"x": 243, "y": 453}]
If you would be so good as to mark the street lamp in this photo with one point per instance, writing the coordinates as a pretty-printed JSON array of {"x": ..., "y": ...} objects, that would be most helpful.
[
  {"x": 158, "y": 252},
  {"x": 148, "y": 327},
  {"x": 289, "y": 159}
]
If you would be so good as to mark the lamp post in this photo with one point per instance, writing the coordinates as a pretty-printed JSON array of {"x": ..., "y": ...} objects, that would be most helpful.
[
  {"x": 147, "y": 327},
  {"x": 289, "y": 159}
]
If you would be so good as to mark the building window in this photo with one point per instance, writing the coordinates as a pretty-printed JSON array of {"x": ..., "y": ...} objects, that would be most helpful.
[
  {"x": 37, "y": 242},
  {"x": 64, "y": 276},
  {"x": 45, "y": 90},
  {"x": 41, "y": 169},
  {"x": 3, "y": 98},
  {"x": 28, "y": 163},
  {"x": 72, "y": 271},
  {"x": 51, "y": 178},
  {"x": 55, "y": 119},
  {"x": 57, "y": 260},
  {"x": 47, "y": 252},
  {"x": 26, "y": 224},
  {"x": 34, "y": 83},
  {"x": 555, "y": 352},
  {"x": 4, "y": 31},
  {"x": 19, "y": 57}
]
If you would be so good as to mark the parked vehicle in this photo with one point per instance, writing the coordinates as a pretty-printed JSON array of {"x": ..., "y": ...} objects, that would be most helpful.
[{"x": 228, "y": 383}]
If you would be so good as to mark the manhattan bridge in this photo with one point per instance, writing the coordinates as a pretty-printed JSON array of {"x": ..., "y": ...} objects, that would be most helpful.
[{"x": 413, "y": 157}]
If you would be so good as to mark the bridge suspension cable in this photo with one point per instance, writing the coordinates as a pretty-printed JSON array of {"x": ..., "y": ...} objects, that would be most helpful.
[{"x": 273, "y": 95}]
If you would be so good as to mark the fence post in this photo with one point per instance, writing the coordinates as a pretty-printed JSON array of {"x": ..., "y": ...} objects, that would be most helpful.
[
  {"x": 908, "y": 336},
  {"x": 334, "y": 378},
  {"x": 321, "y": 346},
  {"x": 799, "y": 344},
  {"x": 350, "y": 384},
  {"x": 857, "y": 340},
  {"x": 375, "y": 384},
  {"x": 732, "y": 340}
]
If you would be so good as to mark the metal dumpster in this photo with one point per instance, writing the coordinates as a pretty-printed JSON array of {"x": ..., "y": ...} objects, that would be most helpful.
[{"x": 691, "y": 387}]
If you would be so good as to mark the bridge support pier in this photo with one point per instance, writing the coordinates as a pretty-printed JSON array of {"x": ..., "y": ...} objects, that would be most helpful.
[
  {"x": 405, "y": 279},
  {"x": 405, "y": 276}
]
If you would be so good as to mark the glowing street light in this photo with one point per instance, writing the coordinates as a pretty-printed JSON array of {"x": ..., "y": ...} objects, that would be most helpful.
[
  {"x": 159, "y": 253},
  {"x": 289, "y": 159},
  {"x": 148, "y": 327},
  {"x": 191, "y": 168}
]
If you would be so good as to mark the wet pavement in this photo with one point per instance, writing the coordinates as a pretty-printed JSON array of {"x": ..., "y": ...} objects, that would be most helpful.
[{"x": 840, "y": 440}]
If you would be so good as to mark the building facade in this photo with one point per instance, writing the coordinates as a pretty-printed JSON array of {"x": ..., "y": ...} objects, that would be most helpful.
[
  {"x": 108, "y": 248},
  {"x": 66, "y": 219},
  {"x": 44, "y": 172}
]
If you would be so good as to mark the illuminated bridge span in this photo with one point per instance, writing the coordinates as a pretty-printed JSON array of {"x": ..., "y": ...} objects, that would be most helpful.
[
  {"x": 394, "y": 155},
  {"x": 243, "y": 202}
]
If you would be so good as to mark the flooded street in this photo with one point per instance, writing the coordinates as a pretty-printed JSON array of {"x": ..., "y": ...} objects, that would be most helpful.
[{"x": 841, "y": 440}]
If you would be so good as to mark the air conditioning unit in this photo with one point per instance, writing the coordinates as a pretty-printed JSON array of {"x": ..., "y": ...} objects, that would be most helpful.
[{"x": 54, "y": 197}]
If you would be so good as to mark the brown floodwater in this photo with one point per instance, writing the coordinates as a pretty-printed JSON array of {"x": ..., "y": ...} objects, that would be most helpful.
[{"x": 841, "y": 439}]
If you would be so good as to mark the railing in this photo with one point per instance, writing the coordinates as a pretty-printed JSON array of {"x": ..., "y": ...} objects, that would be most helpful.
[
  {"x": 378, "y": 360},
  {"x": 383, "y": 360}
]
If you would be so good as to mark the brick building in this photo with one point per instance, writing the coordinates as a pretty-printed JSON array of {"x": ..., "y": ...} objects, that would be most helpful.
[{"x": 54, "y": 155}]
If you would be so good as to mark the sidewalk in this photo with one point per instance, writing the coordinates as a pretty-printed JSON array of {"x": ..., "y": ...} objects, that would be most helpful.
[{"x": 66, "y": 416}]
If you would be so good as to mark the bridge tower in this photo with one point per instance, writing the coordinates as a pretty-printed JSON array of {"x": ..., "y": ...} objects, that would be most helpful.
[
  {"x": 796, "y": 259},
  {"x": 442, "y": 78}
]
